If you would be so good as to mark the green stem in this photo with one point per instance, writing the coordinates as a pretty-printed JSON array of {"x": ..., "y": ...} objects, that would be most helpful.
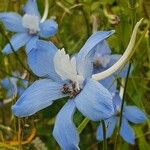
[
  {"x": 16, "y": 55},
  {"x": 104, "y": 135},
  {"x": 83, "y": 125}
]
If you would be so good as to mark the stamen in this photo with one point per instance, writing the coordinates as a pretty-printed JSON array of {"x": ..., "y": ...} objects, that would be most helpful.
[{"x": 70, "y": 89}]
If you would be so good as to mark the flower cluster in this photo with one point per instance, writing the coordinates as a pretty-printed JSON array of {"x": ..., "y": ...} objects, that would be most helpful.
[{"x": 63, "y": 76}]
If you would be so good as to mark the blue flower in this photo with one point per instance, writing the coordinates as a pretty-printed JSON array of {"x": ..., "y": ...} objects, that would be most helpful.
[
  {"x": 28, "y": 28},
  {"x": 66, "y": 77},
  {"x": 130, "y": 114},
  {"x": 103, "y": 60},
  {"x": 14, "y": 85}
]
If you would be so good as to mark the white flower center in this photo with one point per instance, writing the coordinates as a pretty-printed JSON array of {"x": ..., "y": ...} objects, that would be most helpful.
[
  {"x": 31, "y": 22},
  {"x": 66, "y": 68}
]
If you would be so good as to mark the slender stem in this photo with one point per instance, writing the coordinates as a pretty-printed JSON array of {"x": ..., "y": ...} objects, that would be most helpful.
[
  {"x": 132, "y": 4},
  {"x": 3, "y": 145},
  {"x": 16, "y": 55},
  {"x": 104, "y": 135},
  {"x": 45, "y": 11},
  {"x": 83, "y": 125},
  {"x": 19, "y": 134},
  {"x": 122, "y": 104}
]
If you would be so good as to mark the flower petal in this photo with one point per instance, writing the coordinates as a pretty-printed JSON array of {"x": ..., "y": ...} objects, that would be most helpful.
[
  {"x": 48, "y": 28},
  {"x": 40, "y": 60},
  {"x": 102, "y": 48},
  {"x": 12, "y": 21},
  {"x": 86, "y": 54},
  {"x": 134, "y": 114},
  {"x": 65, "y": 131},
  {"x": 17, "y": 41},
  {"x": 94, "y": 101},
  {"x": 109, "y": 83},
  {"x": 9, "y": 86},
  {"x": 31, "y": 44},
  {"x": 110, "y": 126},
  {"x": 127, "y": 132},
  {"x": 31, "y": 8},
  {"x": 38, "y": 96}
]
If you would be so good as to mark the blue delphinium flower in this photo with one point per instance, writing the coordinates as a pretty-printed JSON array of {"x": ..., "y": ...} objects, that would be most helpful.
[
  {"x": 28, "y": 28},
  {"x": 66, "y": 77},
  {"x": 130, "y": 114},
  {"x": 14, "y": 85},
  {"x": 104, "y": 59}
]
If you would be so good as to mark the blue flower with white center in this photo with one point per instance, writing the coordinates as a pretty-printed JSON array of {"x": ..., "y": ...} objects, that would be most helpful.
[
  {"x": 103, "y": 59},
  {"x": 66, "y": 77},
  {"x": 130, "y": 114},
  {"x": 28, "y": 28},
  {"x": 14, "y": 85}
]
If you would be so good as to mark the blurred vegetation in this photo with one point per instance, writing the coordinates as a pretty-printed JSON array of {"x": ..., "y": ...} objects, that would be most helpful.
[{"x": 75, "y": 19}]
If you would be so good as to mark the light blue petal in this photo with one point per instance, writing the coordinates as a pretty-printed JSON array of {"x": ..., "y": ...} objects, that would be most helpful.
[
  {"x": 48, "y": 28},
  {"x": 134, "y": 114},
  {"x": 86, "y": 54},
  {"x": 110, "y": 126},
  {"x": 110, "y": 83},
  {"x": 17, "y": 41},
  {"x": 31, "y": 44},
  {"x": 12, "y": 22},
  {"x": 38, "y": 96},
  {"x": 31, "y": 8},
  {"x": 117, "y": 102},
  {"x": 126, "y": 132},
  {"x": 65, "y": 131},
  {"x": 40, "y": 60},
  {"x": 10, "y": 86},
  {"x": 123, "y": 71},
  {"x": 94, "y": 101},
  {"x": 5, "y": 83},
  {"x": 102, "y": 49}
]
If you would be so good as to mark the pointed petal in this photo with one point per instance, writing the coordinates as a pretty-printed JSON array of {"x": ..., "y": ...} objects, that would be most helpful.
[
  {"x": 134, "y": 114},
  {"x": 127, "y": 132},
  {"x": 94, "y": 101},
  {"x": 17, "y": 41},
  {"x": 12, "y": 21},
  {"x": 31, "y": 44},
  {"x": 102, "y": 48},
  {"x": 48, "y": 28},
  {"x": 110, "y": 126},
  {"x": 86, "y": 54},
  {"x": 40, "y": 60},
  {"x": 38, "y": 96},
  {"x": 65, "y": 131},
  {"x": 31, "y": 8}
]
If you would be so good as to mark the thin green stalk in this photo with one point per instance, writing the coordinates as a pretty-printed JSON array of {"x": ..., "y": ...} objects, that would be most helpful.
[
  {"x": 104, "y": 135},
  {"x": 83, "y": 125},
  {"x": 122, "y": 104},
  {"x": 3, "y": 145},
  {"x": 16, "y": 55}
]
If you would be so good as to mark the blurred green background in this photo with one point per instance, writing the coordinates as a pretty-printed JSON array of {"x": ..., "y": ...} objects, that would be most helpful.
[{"x": 76, "y": 20}]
